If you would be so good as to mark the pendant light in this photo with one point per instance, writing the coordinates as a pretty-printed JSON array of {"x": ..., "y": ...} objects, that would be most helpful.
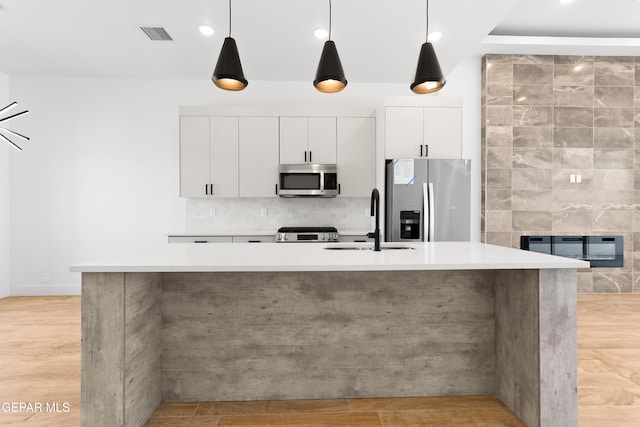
[
  {"x": 228, "y": 74},
  {"x": 330, "y": 75},
  {"x": 428, "y": 78}
]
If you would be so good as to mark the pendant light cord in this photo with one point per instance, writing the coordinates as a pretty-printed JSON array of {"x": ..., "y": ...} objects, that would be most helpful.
[
  {"x": 330, "y": 19},
  {"x": 229, "y": 18},
  {"x": 426, "y": 37}
]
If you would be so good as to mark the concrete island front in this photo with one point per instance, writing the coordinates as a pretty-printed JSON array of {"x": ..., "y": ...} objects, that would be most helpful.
[{"x": 228, "y": 322}]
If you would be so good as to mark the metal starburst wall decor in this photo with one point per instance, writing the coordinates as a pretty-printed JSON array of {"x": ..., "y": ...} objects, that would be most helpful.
[{"x": 4, "y": 131}]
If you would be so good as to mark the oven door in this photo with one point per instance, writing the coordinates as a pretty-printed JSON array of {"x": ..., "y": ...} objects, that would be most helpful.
[{"x": 300, "y": 184}]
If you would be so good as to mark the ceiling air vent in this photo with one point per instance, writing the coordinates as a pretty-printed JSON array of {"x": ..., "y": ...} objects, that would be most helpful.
[{"x": 156, "y": 33}]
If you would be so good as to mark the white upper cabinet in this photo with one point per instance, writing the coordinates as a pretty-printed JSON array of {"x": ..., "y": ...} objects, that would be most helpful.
[
  {"x": 404, "y": 132},
  {"x": 356, "y": 155},
  {"x": 322, "y": 140},
  {"x": 258, "y": 156},
  {"x": 194, "y": 156},
  {"x": 236, "y": 152},
  {"x": 208, "y": 156},
  {"x": 223, "y": 137},
  {"x": 430, "y": 132},
  {"x": 443, "y": 132},
  {"x": 294, "y": 140},
  {"x": 307, "y": 140}
]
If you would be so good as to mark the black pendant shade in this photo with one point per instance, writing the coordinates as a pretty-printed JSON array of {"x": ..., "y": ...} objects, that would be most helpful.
[
  {"x": 330, "y": 75},
  {"x": 429, "y": 76},
  {"x": 228, "y": 73}
]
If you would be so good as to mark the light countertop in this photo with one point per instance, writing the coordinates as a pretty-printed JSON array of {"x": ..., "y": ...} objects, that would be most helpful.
[{"x": 245, "y": 257}]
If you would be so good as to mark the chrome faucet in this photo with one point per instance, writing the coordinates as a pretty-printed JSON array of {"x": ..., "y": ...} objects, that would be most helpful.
[{"x": 375, "y": 210}]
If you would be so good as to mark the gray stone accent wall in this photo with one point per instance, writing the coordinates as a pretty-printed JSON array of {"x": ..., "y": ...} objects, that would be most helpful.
[{"x": 546, "y": 118}]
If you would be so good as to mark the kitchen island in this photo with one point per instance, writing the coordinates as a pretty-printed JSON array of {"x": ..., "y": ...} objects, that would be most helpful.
[{"x": 275, "y": 321}]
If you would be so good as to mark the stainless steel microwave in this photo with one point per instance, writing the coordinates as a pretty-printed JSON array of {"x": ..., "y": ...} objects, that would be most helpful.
[{"x": 308, "y": 180}]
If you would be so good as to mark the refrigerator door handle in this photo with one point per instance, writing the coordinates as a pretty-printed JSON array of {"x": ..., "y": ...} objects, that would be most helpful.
[
  {"x": 432, "y": 212},
  {"x": 426, "y": 213}
]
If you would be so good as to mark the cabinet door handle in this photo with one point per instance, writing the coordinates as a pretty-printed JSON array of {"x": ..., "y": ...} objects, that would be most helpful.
[
  {"x": 305, "y": 156},
  {"x": 426, "y": 150},
  {"x": 211, "y": 191},
  {"x": 338, "y": 188},
  {"x": 420, "y": 150},
  {"x": 276, "y": 189},
  {"x": 206, "y": 189},
  {"x": 310, "y": 161}
]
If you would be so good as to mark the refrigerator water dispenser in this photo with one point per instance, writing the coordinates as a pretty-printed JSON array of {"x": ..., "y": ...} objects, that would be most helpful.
[{"x": 410, "y": 225}]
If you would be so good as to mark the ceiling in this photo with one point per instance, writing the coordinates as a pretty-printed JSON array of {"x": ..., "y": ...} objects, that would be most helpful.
[{"x": 378, "y": 40}]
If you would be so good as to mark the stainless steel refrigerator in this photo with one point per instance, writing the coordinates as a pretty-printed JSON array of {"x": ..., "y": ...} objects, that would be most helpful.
[{"x": 427, "y": 200}]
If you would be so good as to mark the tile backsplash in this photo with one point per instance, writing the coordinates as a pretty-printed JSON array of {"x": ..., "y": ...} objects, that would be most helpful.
[{"x": 246, "y": 214}]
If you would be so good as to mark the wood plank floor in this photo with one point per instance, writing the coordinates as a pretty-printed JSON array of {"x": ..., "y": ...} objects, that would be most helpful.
[
  {"x": 609, "y": 360},
  {"x": 40, "y": 363},
  {"x": 40, "y": 360}
]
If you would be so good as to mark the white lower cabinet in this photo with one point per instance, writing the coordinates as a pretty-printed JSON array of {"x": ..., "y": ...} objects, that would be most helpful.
[
  {"x": 200, "y": 239},
  {"x": 356, "y": 156},
  {"x": 269, "y": 238},
  {"x": 259, "y": 160},
  {"x": 258, "y": 238}
]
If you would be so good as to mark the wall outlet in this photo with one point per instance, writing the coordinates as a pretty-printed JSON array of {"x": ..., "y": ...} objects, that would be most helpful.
[
  {"x": 264, "y": 212},
  {"x": 572, "y": 178},
  {"x": 579, "y": 178},
  {"x": 212, "y": 211}
]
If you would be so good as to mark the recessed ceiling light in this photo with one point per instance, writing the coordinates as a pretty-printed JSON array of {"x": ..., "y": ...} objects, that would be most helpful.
[
  {"x": 564, "y": 1},
  {"x": 206, "y": 30},
  {"x": 578, "y": 68},
  {"x": 434, "y": 36},
  {"x": 321, "y": 33}
]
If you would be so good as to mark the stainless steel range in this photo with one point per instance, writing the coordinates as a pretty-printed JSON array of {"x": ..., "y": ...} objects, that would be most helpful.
[{"x": 307, "y": 234}]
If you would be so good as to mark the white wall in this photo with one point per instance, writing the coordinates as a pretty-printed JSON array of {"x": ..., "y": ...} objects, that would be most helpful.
[
  {"x": 5, "y": 229},
  {"x": 100, "y": 174},
  {"x": 464, "y": 81}
]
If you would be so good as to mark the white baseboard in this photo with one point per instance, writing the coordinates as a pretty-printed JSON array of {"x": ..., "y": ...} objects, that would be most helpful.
[{"x": 32, "y": 291}]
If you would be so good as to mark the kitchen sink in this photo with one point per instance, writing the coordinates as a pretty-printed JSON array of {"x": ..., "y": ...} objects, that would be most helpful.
[{"x": 367, "y": 247}]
